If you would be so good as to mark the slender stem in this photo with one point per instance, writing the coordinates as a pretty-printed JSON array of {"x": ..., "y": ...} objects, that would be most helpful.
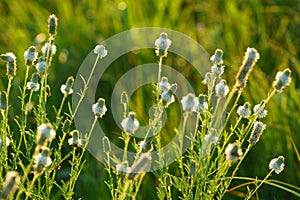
[
  {"x": 85, "y": 88},
  {"x": 58, "y": 119},
  {"x": 31, "y": 185},
  {"x": 260, "y": 184}
]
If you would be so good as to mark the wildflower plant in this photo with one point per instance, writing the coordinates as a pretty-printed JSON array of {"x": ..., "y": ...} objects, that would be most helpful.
[{"x": 30, "y": 162}]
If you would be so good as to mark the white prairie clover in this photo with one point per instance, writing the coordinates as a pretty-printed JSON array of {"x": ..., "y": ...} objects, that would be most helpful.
[
  {"x": 203, "y": 106},
  {"x": 75, "y": 140},
  {"x": 190, "y": 103},
  {"x": 164, "y": 84},
  {"x": 67, "y": 88},
  {"x": 30, "y": 56},
  {"x": 262, "y": 112},
  {"x": 282, "y": 80},
  {"x": 130, "y": 124},
  {"x": 222, "y": 89},
  {"x": 250, "y": 58},
  {"x": 244, "y": 110},
  {"x": 42, "y": 160},
  {"x": 41, "y": 66},
  {"x": 100, "y": 51},
  {"x": 277, "y": 164},
  {"x": 45, "y": 134},
  {"x": 11, "y": 64},
  {"x": 99, "y": 108},
  {"x": 167, "y": 95},
  {"x": 10, "y": 185},
  {"x": 34, "y": 83},
  {"x": 233, "y": 152},
  {"x": 257, "y": 130},
  {"x": 162, "y": 45},
  {"x": 52, "y": 49}
]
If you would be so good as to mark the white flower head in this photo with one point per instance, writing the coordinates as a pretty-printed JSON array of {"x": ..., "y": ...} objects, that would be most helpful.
[
  {"x": 42, "y": 160},
  {"x": 45, "y": 133},
  {"x": 277, "y": 164},
  {"x": 10, "y": 185},
  {"x": 162, "y": 45},
  {"x": 167, "y": 95},
  {"x": 11, "y": 64},
  {"x": 33, "y": 84},
  {"x": 282, "y": 80},
  {"x": 262, "y": 112},
  {"x": 41, "y": 66},
  {"x": 164, "y": 84},
  {"x": 233, "y": 152},
  {"x": 217, "y": 57},
  {"x": 217, "y": 70},
  {"x": 30, "y": 55},
  {"x": 202, "y": 103},
  {"x": 52, "y": 49},
  {"x": 257, "y": 130},
  {"x": 100, "y": 51},
  {"x": 75, "y": 140},
  {"x": 130, "y": 124},
  {"x": 122, "y": 168},
  {"x": 208, "y": 78},
  {"x": 244, "y": 110},
  {"x": 145, "y": 146},
  {"x": 68, "y": 87},
  {"x": 222, "y": 89},
  {"x": 99, "y": 108},
  {"x": 190, "y": 103},
  {"x": 211, "y": 137}
]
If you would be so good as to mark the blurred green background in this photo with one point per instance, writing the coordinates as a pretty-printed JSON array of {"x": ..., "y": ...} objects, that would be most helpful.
[{"x": 272, "y": 27}]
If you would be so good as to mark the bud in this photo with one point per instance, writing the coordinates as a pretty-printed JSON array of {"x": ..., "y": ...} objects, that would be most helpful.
[
  {"x": 250, "y": 58},
  {"x": 3, "y": 100},
  {"x": 52, "y": 25},
  {"x": 124, "y": 98},
  {"x": 106, "y": 144},
  {"x": 66, "y": 126},
  {"x": 193, "y": 167}
]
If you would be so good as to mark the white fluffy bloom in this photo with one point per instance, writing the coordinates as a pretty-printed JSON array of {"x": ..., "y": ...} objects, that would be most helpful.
[
  {"x": 99, "y": 108},
  {"x": 190, "y": 103},
  {"x": 42, "y": 160},
  {"x": 130, "y": 124},
  {"x": 277, "y": 164},
  {"x": 45, "y": 134},
  {"x": 100, "y": 50},
  {"x": 222, "y": 89}
]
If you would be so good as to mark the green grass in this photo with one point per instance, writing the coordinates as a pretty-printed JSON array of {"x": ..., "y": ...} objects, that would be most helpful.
[{"x": 272, "y": 27}]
